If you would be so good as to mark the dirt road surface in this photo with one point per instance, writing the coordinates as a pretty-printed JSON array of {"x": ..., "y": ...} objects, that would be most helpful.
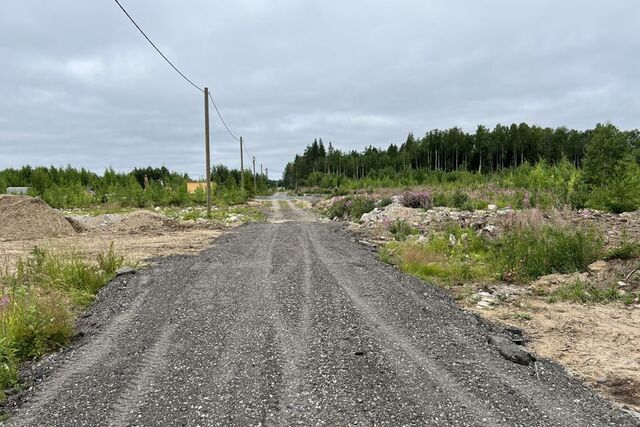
[{"x": 292, "y": 322}]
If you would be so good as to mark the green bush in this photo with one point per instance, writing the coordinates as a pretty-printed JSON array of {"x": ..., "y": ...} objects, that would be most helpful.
[
  {"x": 353, "y": 207},
  {"x": 525, "y": 253},
  {"x": 401, "y": 230},
  {"x": 360, "y": 206}
]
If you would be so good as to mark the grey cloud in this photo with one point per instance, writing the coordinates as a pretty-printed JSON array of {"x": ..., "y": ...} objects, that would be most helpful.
[{"x": 80, "y": 86}]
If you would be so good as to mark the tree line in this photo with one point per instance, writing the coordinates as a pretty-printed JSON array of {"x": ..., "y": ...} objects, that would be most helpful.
[
  {"x": 483, "y": 151},
  {"x": 70, "y": 187}
]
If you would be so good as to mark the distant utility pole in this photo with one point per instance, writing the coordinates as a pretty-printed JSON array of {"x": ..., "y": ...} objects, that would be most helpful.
[
  {"x": 266, "y": 170},
  {"x": 241, "y": 167},
  {"x": 255, "y": 186},
  {"x": 261, "y": 171},
  {"x": 206, "y": 149}
]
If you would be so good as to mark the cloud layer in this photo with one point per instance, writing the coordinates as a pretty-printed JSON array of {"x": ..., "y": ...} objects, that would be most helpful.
[{"x": 80, "y": 86}]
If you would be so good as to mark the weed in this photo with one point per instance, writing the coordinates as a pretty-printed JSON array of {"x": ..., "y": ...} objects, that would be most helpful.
[
  {"x": 587, "y": 293},
  {"x": 526, "y": 253},
  {"x": 416, "y": 199},
  {"x": 626, "y": 250},
  {"x": 401, "y": 230},
  {"x": 38, "y": 302}
]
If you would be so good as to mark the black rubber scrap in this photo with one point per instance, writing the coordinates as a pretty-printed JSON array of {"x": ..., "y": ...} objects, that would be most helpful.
[{"x": 511, "y": 351}]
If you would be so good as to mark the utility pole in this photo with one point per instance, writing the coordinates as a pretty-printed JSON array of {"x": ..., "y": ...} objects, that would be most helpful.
[
  {"x": 241, "y": 167},
  {"x": 206, "y": 149},
  {"x": 267, "y": 173},
  {"x": 261, "y": 170},
  {"x": 255, "y": 186}
]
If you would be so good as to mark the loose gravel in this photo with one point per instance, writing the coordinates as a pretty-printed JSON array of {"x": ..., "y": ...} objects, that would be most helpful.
[{"x": 293, "y": 322}]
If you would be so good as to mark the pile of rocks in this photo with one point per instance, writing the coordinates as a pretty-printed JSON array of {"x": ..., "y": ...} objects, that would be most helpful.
[{"x": 485, "y": 221}]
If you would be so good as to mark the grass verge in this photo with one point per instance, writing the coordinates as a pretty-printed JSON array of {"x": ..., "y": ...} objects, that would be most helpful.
[{"x": 39, "y": 302}]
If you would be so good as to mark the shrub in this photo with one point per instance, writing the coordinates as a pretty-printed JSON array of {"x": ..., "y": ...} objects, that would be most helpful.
[
  {"x": 459, "y": 199},
  {"x": 524, "y": 252},
  {"x": 360, "y": 206},
  {"x": 384, "y": 202},
  {"x": 338, "y": 209},
  {"x": 353, "y": 207},
  {"x": 416, "y": 199},
  {"x": 611, "y": 175},
  {"x": 401, "y": 230}
]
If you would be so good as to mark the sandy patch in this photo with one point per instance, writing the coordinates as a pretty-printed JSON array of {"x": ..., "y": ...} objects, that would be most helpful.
[{"x": 598, "y": 343}]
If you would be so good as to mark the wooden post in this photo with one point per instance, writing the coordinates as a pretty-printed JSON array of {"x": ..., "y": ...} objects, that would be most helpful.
[
  {"x": 255, "y": 186},
  {"x": 241, "y": 168},
  {"x": 206, "y": 149}
]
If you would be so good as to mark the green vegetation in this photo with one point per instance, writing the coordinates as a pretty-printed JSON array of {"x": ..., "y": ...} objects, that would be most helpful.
[
  {"x": 72, "y": 188},
  {"x": 520, "y": 165},
  {"x": 586, "y": 293},
  {"x": 38, "y": 303},
  {"x": 627, "y": 249},
  {"x": 521, "y": 254},
  {"x": 353, "y": 207},
  {"x": 526, "y": 253},
  {"x": 401, "y": 230}
]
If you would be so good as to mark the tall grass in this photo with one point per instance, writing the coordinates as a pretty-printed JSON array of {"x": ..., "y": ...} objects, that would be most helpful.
[
  {"x": 39, "y": 300},
  {"x": 526, "y": 253},
  {"x": 523, "y": 253}
]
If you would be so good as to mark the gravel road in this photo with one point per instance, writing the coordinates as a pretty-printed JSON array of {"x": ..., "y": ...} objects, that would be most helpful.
[{"x": 292, "y": 322}]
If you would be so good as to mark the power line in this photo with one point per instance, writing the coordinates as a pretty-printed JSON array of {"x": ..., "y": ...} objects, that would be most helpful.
[
  {"x": 158, "y": 50},
  {"x": 215, "y": 107}
]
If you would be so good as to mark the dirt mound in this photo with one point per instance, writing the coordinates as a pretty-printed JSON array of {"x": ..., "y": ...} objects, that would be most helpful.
[
  {"x": 130, "y": 223},
  {"x": 25, "y": 218}
]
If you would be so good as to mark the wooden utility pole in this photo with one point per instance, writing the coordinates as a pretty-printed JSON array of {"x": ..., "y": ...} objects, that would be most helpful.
[
  {"x": 241, "y": 167},
  {"x": 261, "y": 170},
  {"x": 255, "y": 185},
  {"x": 266, "y": 170},
  {"x": 206, "y": 149}
]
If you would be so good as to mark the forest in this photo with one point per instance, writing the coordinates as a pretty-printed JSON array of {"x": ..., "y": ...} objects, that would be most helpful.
[
  {"x": 596, "y": 168},
  {"x": 143, "y": 187}
]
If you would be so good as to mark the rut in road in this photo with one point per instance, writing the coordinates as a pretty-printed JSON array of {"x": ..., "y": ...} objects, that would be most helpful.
[{"x": 292, "y": 322}]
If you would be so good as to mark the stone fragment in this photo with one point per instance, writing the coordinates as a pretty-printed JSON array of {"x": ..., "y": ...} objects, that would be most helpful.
[{"x": 511, "y": 351}]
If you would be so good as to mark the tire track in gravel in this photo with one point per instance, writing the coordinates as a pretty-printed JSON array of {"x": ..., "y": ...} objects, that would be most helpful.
[
  {"x": 292, "y": 335},
  {"x": 510, "y": 385},
  {"x": 153, "y": 360},
  {"x": 397, "y": 347},
  {"x": 103, "y": 364}
]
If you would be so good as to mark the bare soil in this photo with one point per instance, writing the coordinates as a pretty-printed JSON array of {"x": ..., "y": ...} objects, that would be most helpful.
[
  {"x": 25, "y": 218},
  {"x": 598, "y": 343},
  {"x": 27, "y": 222}
]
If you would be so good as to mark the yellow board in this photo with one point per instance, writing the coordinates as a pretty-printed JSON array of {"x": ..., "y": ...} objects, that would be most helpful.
[{"x": 193, "y": 186}]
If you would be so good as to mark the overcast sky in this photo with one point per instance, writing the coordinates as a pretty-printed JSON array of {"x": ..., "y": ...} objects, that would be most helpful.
[{"x": 79, "y": 85}]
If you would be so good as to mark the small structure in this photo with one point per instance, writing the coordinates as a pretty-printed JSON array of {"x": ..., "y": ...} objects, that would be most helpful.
[
  {"x": 17, "y": 190},
  {"x": 193, "y": 186}
]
